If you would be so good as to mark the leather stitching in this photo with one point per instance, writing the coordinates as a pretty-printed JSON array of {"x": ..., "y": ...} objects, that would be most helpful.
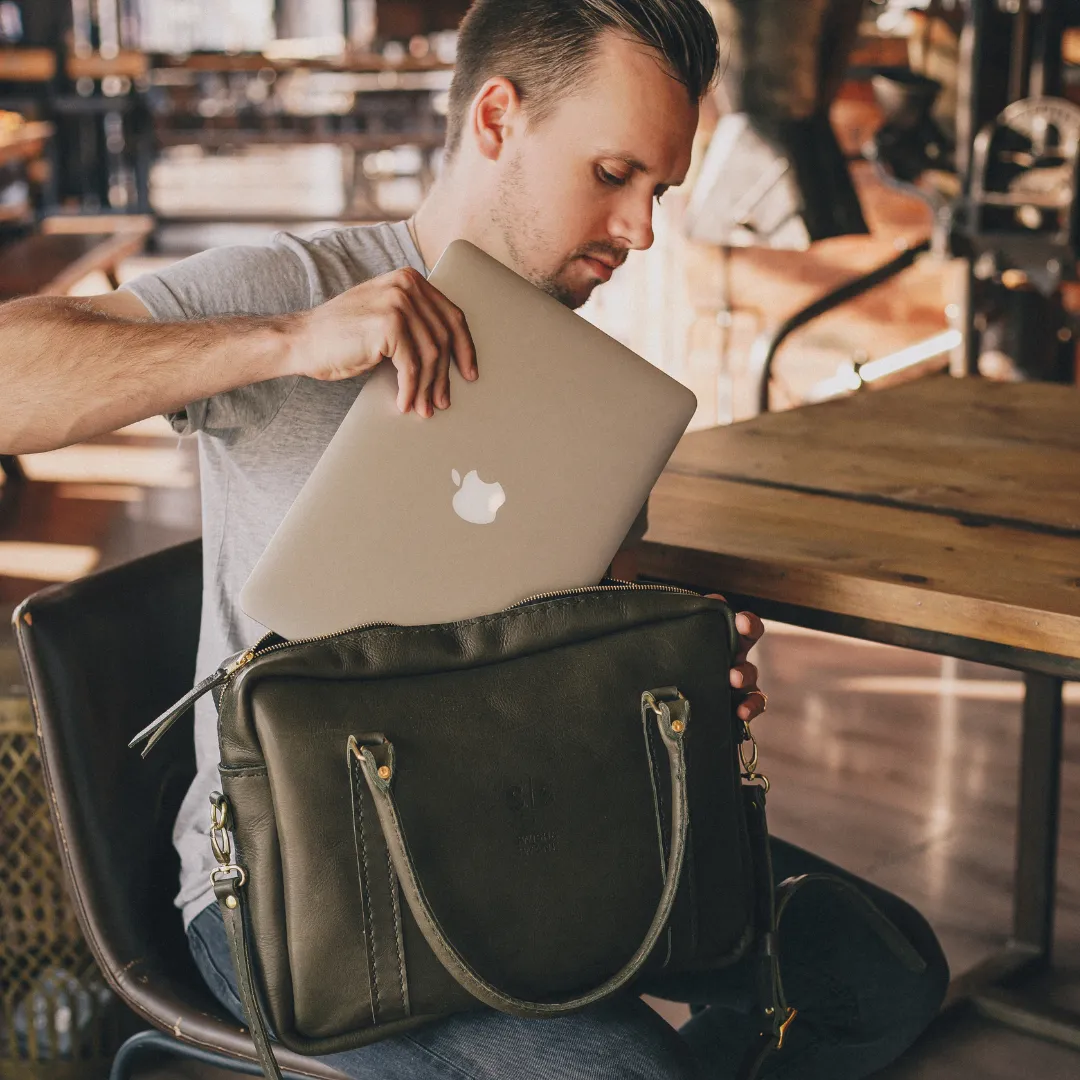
[
  {"x": 691, "y": 883},
  {"x": 365, "y": 892},
  {"x": 399, "y": 945},
  {"x": 656, "y": 780}
]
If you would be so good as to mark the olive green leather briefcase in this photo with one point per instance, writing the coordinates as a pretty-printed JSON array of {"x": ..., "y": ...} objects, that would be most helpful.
[{"x": 528, "y": 810}]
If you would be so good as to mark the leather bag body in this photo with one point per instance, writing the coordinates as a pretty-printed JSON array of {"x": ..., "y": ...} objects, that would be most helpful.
[{"x": 528, "y": 810}]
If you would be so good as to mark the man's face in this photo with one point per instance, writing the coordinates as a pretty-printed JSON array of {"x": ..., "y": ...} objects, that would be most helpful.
[{"x": 576, "y": 192}]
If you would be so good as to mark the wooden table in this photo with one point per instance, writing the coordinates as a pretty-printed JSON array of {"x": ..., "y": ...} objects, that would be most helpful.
[
  {"x": 51, "y": 263},
  {"x": 943, "y": 515}
]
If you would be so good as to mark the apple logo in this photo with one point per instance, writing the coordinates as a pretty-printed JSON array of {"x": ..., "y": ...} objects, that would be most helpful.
[{"x": 476, "y": 501}]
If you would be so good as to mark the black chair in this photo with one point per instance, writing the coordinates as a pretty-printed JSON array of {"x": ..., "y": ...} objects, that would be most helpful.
[{"x": 103, "y": 656}]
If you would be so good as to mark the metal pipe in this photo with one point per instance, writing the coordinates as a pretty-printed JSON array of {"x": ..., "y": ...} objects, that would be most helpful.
[{"x": 763, "y": 351}]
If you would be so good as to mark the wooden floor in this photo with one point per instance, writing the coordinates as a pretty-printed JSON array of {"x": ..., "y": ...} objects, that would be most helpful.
[
  {"x": 899, "y": 765},
  {"x": 903, "y": 767}
]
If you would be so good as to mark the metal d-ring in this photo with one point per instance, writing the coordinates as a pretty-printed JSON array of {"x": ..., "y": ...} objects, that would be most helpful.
[{"x": 227, "y": 870}]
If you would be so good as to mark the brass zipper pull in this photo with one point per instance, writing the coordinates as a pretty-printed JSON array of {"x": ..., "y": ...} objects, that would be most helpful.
[
  {"x": 153, "y": 732},
  {"x": 237, "y": 664}
]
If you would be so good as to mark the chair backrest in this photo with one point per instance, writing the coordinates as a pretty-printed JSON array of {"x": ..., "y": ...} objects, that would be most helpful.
[{"x": 102, "y": 657}]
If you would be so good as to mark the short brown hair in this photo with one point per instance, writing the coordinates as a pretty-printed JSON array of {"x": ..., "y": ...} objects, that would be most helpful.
[{"x": 544, "y": 47}]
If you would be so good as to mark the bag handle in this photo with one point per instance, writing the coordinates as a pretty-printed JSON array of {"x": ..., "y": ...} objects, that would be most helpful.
[{"x": 671, "y": 711}]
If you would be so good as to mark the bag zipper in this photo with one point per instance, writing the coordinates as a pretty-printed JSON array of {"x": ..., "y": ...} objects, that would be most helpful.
[
  {"x": 616, "y": 586},
  {"x": 154, "y": 731}
]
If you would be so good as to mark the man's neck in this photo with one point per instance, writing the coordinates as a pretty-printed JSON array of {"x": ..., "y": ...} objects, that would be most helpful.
[
  {"x": 443, "y": 216},
  {"x": 426, "y": 228}
]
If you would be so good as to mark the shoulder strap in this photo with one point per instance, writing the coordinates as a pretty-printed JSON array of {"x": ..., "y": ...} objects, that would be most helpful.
[
  {"x": 773, "y": 1015},
  {"x": 234, "y": 913}
]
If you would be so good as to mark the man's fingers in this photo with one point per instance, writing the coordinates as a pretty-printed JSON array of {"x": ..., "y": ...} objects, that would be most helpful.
[
  {"x": 752, "y": 705},
  {"x": 434, "y": 388},
  {"x": 461, "y": 339},
  {"x": 427, "y": 349},
  {"x": 744, "y": 676},
  {"x": 749, "y": 626},
  {"x": 408, "y": 368}
]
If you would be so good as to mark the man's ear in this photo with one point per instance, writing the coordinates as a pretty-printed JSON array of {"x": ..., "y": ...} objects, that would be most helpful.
[{"x": 496, "y": 110}]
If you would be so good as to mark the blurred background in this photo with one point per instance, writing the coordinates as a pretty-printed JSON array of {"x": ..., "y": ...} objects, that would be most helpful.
[{"x": 881, "y": 190}]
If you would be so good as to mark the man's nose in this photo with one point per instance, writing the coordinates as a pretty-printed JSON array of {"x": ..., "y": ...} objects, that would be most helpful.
[{"x": 633, "y": 223}]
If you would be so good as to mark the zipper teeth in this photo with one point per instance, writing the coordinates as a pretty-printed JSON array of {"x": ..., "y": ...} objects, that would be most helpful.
[{"x": 619, "y": 586}]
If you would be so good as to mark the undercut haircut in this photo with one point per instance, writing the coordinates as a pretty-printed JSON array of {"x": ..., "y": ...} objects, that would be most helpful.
[{"x": 546, "y": 48}]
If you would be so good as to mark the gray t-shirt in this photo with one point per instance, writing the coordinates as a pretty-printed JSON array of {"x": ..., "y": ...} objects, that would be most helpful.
[{"x": 257, "y": 446}]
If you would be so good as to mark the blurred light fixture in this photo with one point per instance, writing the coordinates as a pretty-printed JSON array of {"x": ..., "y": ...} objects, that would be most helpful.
[
  {"x": 850, "y": 377},
  {"x": 126, "y": 493},
  {"x": 90, "y": 463},
  {"x": 46, "y": 562}
]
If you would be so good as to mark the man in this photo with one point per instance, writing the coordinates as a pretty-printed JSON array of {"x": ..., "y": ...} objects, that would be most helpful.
[{"x": 566, "y": 122}]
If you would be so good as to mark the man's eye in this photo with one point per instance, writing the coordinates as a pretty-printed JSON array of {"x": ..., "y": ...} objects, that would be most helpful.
[{"x": 610, "y": 178}]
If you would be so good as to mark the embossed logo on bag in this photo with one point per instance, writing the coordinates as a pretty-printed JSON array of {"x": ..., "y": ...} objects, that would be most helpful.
[
  {"x": 537, "y": 842},
  {"x": 525, "y": 799},
  {"x": 528, "y": 796}
]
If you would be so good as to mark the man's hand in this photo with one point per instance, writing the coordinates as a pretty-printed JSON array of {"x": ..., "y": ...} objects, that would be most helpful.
[
  {"x": 744, "y": 675},
  {"x": 399, "y": 315}
]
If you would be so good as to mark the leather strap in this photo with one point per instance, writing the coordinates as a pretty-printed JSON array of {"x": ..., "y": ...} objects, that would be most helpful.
[
  {"x": 773, "y": 1011},
  {"x": 761, "y": 1049},
  {"x": 230, "y": 895},
  {"x": 380, "y": 911},
  {"x": 671, "y": 720}
]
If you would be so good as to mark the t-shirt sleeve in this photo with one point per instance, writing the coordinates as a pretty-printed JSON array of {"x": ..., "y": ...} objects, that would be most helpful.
[{"x": 240, "y": 280}]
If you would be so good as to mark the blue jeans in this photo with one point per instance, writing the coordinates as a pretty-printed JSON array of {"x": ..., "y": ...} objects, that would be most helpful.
[{"x": 859, "y": 1009}]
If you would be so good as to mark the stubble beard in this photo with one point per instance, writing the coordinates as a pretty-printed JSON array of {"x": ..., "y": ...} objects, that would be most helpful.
[{"x": 514, "y": 223}]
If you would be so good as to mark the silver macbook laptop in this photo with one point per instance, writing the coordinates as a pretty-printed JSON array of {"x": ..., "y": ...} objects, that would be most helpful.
[{"x": 527, "y": 484}]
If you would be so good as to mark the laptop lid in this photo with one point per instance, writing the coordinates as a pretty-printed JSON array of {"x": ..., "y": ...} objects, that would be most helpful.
[{"x": 527, "y": 484}]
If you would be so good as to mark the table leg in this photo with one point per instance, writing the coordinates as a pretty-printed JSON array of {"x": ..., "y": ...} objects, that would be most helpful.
[
  {"x": 1037, "y": 825},
  {"x": 993, "y": 985}
]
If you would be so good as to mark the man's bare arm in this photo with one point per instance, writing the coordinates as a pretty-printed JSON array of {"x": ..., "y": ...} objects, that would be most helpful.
[{"x": 74, "y": 368}]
